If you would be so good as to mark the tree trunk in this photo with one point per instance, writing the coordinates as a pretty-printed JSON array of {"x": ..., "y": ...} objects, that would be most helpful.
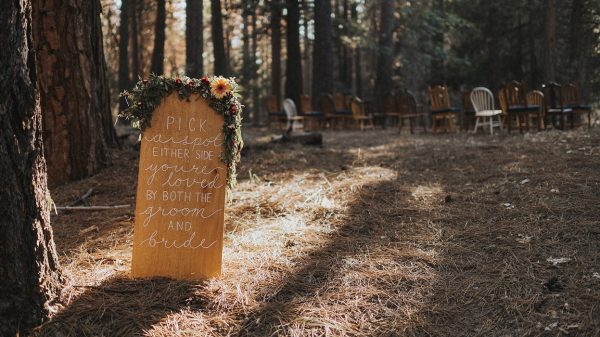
[
  {"x": 306, "y": 51},
  {"x": 383, "y": 82},
  {"x": 579, "y": 47},
  {"x": 293, "y": 68},
  {"x": 29, "y": 277},
  {"x": 194, "y": 38},
  {"x": 158, "y": 53},
  {"x": 276, "y": 49},
  {"x": 322, "y": 52},
  {"x": 78, "y": 126},
  {"x": 124, "y": 80},
  {"x": 217, "y": 39},
  {"x": 357, "y": 61},
  {"x": 255, "y": 94},
  {"x": 550, "y": 41},
  {"x": 438, "y": 71},
  {"x": 135, "y": 50},
  {"x": 533, "y": 56}
]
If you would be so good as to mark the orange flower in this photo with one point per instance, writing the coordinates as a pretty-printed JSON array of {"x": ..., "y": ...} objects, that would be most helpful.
[{"x": 220, "y": 87}]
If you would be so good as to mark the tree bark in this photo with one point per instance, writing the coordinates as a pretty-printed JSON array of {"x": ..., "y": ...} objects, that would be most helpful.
[
  {"x": 357, "y": 61},
  {"x": 276, "y": 49},
  {"x": 293, "y": 68},
  {"x": 550, "y": 41},
  {"x": 255, "y": 85},
  {"x": 158, "y": 53},
  {"x": 383, "y": 82},
  {"x": 124, "y": 80},
  {"x": 438, "y": 71},
  {"x": 322, "y": 52},
  {"x": 217, "y": 39},
  {"x": 194, "y": 38},
  {"x": 78, "y": 127},
  {"x": 29, "y": 276},
  {"x": 135, "y": 49}
]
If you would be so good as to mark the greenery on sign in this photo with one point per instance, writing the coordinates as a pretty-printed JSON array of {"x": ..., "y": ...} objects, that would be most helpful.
[{"x": 221, "y": 93}]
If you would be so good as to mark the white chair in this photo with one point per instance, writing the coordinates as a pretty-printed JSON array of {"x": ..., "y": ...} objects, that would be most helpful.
[
  {"x": 483, "y": 103},
  {"x": 294, "y": 122}
]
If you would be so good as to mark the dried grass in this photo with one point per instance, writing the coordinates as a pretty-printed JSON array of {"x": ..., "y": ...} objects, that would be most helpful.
[{"x": 376, "y": 234}]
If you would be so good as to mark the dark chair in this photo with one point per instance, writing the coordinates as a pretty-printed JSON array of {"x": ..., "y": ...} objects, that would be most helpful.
[
  {"x": 410, "y": 111},
  {"x": 312, "y": 119},
  {"x": 571, "y": 99},
  {"x": 555, "y": 106},
  {"x": 513, "y": 102},
  {"x": 361, "y": 120},
  {"x": 468, "y": 117},
  {"x": 440, "y": 108},
  {"x": 276, "y": 114},
  {"x": 330, "y": 115}
]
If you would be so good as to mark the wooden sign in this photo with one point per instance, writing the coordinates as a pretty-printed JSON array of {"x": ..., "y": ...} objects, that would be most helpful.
[{"x": 180, "y": 200}]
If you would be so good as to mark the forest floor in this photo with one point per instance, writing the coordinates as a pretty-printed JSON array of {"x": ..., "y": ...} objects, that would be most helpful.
[{"x": 374, "y": 234}]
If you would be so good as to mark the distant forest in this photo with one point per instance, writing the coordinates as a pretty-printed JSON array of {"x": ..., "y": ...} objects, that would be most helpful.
[{"x": 366, "y": 48}]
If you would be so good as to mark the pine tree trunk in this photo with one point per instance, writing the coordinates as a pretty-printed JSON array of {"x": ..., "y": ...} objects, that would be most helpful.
[
  {"x": 217, "y": 39},
  {"x": 135, "y": 49},
  {"x": 306, "y": 62},
  {"x": 383, "y": 82},
  {"x": 78, "y": 127},
  {"x": 124, "y": 80},
  {"x": 29, "y": 276},
  {"x": 322, "y": 52},
  {"x": 357, "y": 60},
  {"x": 194, "y": 38},
  {"x": 276, "y": 49},
  {"x": 438, "y": 72},
  {"x": 255, "y": 94},
  {"x": 293, "y": 68},
  {"x": 158, "y": 53},
  {"x": 550, "y": 41}
]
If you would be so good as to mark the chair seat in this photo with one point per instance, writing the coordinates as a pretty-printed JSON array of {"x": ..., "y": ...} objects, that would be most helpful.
[
  {"x": 296, "y": 118},
  {"x": 451, "y": 109},
  {"x": 580, "y": 107},
  {"x": 564, "y": 110},
  {"x": 418, "y": 114},
  {"x": 313, "y": 114},
  {"x": 523, "y": 108},
  {"x": 343, "y": 112},
  {"x": 488, "y": 113}
]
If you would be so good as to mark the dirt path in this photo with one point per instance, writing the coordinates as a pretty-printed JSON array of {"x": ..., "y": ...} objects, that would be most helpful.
[{"x": 376, "y": 234}]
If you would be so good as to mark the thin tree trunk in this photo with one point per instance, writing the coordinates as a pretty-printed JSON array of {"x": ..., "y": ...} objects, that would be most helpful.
[
  {"x": 383, "y": 82},
  {"x": 194, "y": 38},
  {"x": 322, "y": 52},
  {"x": 579, "y": 47},
  {"x": 438, "y": 72},
  {"x": 533, "y": 57},
  {"x": 217, "y": 39},
  {"x": 135, "y": 50},
  {"x": 158, "y": 53},
  {"x": 29, "y": 273},
  {"x": 306, "y": 51},
  {"x": 357, "y": 61},
  {"x": 255, "y": 95},
  {"x": 550, "y": 41},
  {"x": 293, "y": 68},
  {"x": 276, "y": 49},
  {"x": 124, "y": 79},
  {"x": 77, "y": 120}
]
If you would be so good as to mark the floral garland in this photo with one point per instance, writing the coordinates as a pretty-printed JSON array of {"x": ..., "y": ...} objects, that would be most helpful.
[{"x": 221, "y": 93}]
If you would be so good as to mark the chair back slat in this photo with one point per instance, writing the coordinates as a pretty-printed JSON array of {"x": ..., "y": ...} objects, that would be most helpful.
[
  {"x": 389, "y": 104},
  {"x": 482, "y": 99},
  {"x": 339, "y": 101},
  {"x": 570, "y": 95},
  {"x": 553, "y": 95},
  {"x": 536, "y": 97},
  {"x": 407, "y": 103},
  {"x": 273, "y": 104},
  {"x": 438, "y": 97},
  {"x": 290, "y": 108},
  {"x": 515, "y": 94},
  {"x": 356, "y": 106},
  {"x": 305, "y": 103},
  {"x": 327, "y": 105}
]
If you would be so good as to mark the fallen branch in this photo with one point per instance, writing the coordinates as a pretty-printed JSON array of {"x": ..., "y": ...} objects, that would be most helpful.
[
  {"x": 82, "y": 198},
  {"x": 90, "y": 208}
]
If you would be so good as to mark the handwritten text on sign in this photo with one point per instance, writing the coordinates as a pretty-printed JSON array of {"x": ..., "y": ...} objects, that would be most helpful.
[{"x": 181, "y": 193}]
